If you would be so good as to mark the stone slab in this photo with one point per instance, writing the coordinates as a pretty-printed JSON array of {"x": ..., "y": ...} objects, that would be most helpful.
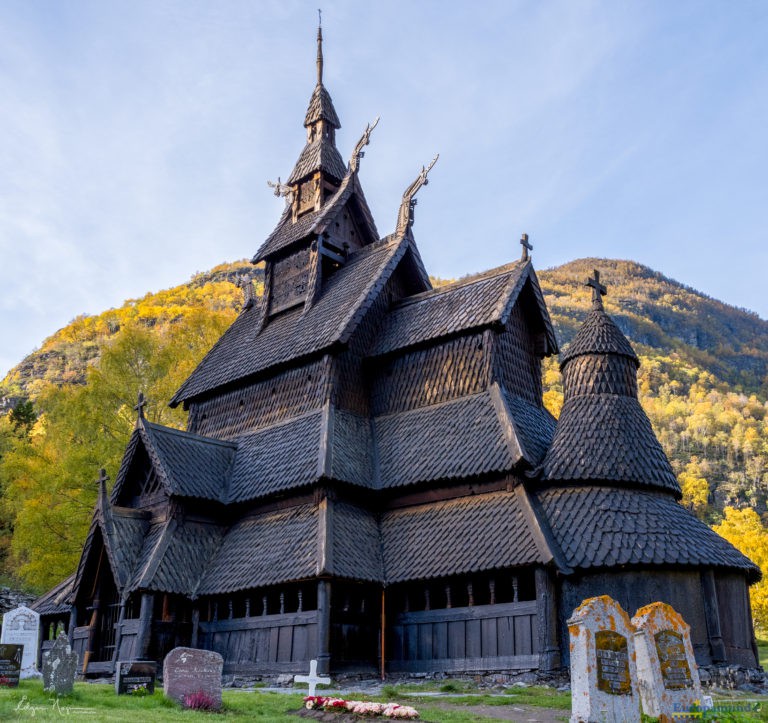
[
  {"x": 134, "y": 675},
  {"x": 59, "y": 667},
  {"x": 21, "y": 626},
  {"x": 187, "y": 671},
  {"x": 668, "y": 676},
  {"x": 603, "y": 670},
  {"x": 10, "y": 664}
]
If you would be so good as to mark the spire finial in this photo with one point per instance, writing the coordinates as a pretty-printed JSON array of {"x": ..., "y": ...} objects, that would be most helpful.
[
  {"x": 527, "y": 246},
  {"x": 598, "y": 290},
  {"x": 102, "y": 481},
  {"x": 319, "y": 46}
]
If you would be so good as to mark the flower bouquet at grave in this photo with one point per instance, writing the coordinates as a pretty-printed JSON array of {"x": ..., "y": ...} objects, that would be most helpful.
[{"x": 361, "y": 708}]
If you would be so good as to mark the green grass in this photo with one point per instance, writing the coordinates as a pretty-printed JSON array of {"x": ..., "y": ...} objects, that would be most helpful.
[
  {"x": 99, "y": 703},
  {"x": 762, "y": 652}
]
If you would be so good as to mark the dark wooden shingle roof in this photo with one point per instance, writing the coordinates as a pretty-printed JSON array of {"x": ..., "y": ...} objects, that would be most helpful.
[
  {"x": 461, "y": 438},
  {"x": 321, "y": 155},
  {"x": 459, "y": 536},
  {"x": 471, "y": 303},
  {"x": 247, "y": 349},
  {"x": 606, "y": 437},
  {"x": 599, "y": 335},
  {"x": 604, "y": 527},
  {"x": 266, "y": 549}
]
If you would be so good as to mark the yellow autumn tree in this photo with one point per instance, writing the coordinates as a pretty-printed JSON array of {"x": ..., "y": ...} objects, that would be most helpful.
[
  {"x": 745, "y": 531},
  {"x": 695, "y": 488}
]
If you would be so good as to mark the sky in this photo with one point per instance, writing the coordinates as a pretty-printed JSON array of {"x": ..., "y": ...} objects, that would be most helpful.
[{"x": 136, "y": 138}]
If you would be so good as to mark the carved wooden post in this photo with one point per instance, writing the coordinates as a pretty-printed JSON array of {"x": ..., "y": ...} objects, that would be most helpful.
[
  {"x": 712, "y": 614},
  {"x": 145, "y": 625},
  {"x": 323, "y": 626},
  {"x": 546, "y": 619}
]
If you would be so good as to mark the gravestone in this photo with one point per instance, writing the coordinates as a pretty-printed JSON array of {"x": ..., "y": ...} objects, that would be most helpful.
[
  {"x": 603, "y": 671},
  {"x": 667, "y": 673},
  {"x": 59, "y": 667},
  {"x": 188, "y": 670},
  {"x": 22, "y": 627},
  {"x": 135, "y": 676},
  {"x": 10, "y": 664}
]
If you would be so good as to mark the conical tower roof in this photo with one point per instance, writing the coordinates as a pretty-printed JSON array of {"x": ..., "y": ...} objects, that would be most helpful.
[{"x": 603, "y": 435}]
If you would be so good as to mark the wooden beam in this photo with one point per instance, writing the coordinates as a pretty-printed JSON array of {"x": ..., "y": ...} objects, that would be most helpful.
[
  {"x": 144, "y": 634},
  {"x": 546, "y": 619},
  {"x": 712, "y": 615},
  {"x": 323, "y": 626}
]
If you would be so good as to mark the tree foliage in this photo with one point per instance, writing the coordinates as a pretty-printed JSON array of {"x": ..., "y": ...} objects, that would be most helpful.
[{"x": 48, "y": 475}]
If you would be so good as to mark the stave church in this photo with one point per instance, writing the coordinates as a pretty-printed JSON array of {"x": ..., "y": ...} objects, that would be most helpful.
[{"x": 369, "y": 476}]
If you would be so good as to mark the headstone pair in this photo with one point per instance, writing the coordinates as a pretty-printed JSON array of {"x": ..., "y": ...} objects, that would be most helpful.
[{"x": 616, "y": 662}]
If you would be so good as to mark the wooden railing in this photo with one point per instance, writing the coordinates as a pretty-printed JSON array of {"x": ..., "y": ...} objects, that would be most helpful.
[
  {"x": 484, "y": 637},
  {"x": 264, "y": 643}
]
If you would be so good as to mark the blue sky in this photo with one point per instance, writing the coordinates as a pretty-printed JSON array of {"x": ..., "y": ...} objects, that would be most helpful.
[{"x": 136, "y": 138}]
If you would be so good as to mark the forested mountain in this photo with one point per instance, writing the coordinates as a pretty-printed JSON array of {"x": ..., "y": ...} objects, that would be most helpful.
[{"x": 703, "y": 382}]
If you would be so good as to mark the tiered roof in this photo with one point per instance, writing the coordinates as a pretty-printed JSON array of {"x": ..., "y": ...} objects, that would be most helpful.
[
  {"x": 610, "y": 496},
  {"x": 603, "y": 434}
]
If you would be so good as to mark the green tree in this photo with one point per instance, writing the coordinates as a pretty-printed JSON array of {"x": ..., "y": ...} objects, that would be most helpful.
[{"x": 48, "y": 475}]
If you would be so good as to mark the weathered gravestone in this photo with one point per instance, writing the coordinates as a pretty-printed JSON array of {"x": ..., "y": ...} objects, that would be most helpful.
[
  {"x": 59, "y": 667},
  {"x": 135, "y": 677},
  {"x": 10, "y": 665},
  {"x": 667, "y": 673},
  {"x": 22, "y": 627},
  {"x": 603, "y": 671},
  {"x": 187, "y": 671}
]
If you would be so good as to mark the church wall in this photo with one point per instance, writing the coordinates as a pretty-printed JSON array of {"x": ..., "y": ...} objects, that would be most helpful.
[
  {"x": 515, "y": 362},
  {"x": 600, "y": 374},
  {"x": 680, "y": 589},
  {"x": 735, "y": 618},
  {"x": 262, "y": 403},
  {"x": 437, "y": 374}
]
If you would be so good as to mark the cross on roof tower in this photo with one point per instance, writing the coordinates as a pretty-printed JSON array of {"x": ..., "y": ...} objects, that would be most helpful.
[
  {"x": 140, "y": 404},
  {"x": 598, "y": 290},
  {"x": 527, "y": 246}
]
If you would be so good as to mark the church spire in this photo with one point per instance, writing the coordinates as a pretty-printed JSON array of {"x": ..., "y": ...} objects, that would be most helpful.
[{"x": 319, "y": 47}]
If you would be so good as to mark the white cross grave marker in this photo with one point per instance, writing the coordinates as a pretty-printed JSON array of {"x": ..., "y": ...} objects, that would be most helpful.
[{"x": 312, "y": 679}]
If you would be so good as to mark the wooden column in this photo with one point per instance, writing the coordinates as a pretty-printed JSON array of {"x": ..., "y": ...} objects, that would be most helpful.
[
  {"x": 323, "y": 626},
  {"x": 72, "y": 624},
  {"x": 546, "y": 620},
  {"x": 144, "y": 634},
  {"x": 712, "y": 614},
  {"x": 193, "y": 640},
  {"x": 119, "y": 633}
]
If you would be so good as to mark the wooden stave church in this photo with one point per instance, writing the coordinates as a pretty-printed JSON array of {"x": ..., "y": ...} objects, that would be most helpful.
[{"x": 369, "y": 476}]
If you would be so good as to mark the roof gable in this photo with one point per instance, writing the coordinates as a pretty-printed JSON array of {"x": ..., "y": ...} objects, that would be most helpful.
[
  {"x": 187, "y": 465},
  {"x": 472, "y": 303}
]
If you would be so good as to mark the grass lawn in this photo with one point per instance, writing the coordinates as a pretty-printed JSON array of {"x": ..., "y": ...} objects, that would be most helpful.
[
  {"x": 762, "y": 652},
  {"x": 99, "y": 703}
]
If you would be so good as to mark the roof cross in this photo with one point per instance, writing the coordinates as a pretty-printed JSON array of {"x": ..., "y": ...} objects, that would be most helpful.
[
  {"x": 598, "y": 290},
  {"x": 140, "y": 404},
  {"x": 103, "y": 477},
  {"x": 527, "y": 246}
]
